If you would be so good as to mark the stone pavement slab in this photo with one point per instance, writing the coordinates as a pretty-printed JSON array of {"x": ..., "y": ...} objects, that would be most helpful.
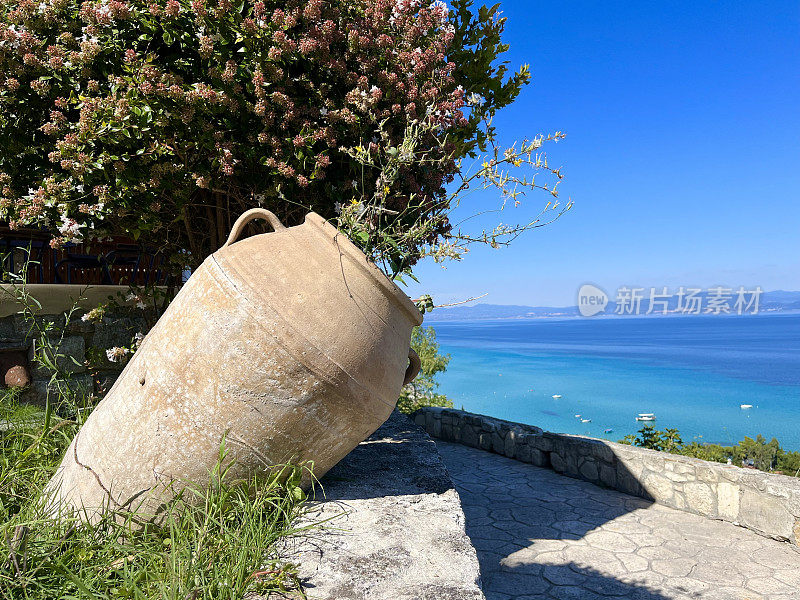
[
  {"x": 540, "y": 535},
  {"x": 391, "y": 526}
]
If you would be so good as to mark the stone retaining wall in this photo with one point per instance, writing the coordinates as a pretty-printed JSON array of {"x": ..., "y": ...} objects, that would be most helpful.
[
  {"x": 82, "y": 348},
  {"x": 766, "y": 503}
]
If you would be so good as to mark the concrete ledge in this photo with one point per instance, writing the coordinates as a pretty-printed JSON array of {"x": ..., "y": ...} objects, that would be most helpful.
[
  {"x": 763, "y": 502},
  {"x": 396, "y": 528},
  {"x": 58, "y": 298}
]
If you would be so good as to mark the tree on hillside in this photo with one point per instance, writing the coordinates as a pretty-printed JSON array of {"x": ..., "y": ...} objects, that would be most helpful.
[
  {"x": 758, "y": 453},
  {"x": 422, "y": 391},
  {"x": 762, "y": 454}
]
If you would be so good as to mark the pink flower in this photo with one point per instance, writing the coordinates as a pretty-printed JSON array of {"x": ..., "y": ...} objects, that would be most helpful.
[
  {"x": 173, "y": 8},
  {"x": 230, "y": 71}
]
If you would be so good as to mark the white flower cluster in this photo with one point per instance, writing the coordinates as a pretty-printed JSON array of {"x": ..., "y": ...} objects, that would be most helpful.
[
  {"x": 95, "y": 315},
  {"x": 442, "y": 5},
  {"x": 92, "y": 39},
  {"x": 475, "y": 99},
  {"x": 105, "y": 9},
  {"x": 18, "y": 33},
  {"x": 70, "y": 228},
  {"x": 403, "y": 6},
  {"x": 136, "y": 298},
  {"x": 117, "y": 354}
]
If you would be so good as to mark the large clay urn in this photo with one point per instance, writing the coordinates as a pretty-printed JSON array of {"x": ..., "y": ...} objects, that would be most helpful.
[{"x": 289, "y": 345}]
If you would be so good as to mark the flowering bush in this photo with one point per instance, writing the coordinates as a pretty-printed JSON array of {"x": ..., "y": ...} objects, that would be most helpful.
[{"x": 166, "y": 119}]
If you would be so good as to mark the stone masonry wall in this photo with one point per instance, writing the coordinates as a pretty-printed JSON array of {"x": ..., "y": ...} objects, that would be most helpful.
[
  {"x": 84, "y": 343},
  {"x": 766, "y": 503}
]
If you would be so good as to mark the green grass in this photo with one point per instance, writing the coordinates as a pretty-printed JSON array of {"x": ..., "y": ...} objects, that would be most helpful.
[{"x": 217, "y": 541}]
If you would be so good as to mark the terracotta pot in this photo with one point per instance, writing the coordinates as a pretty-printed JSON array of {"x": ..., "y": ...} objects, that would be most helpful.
[{"x": 290, "y": 345}]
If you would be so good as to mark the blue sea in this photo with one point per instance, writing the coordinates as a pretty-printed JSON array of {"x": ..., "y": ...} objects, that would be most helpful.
[{"x": 693, "y": 372}]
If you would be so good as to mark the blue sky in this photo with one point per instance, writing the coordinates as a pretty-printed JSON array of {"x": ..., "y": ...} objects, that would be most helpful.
[{"x": 682, "y": 152}]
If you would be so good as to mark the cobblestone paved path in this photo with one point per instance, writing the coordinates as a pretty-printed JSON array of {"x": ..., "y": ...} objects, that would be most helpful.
[{"x": 540, "y": 535}]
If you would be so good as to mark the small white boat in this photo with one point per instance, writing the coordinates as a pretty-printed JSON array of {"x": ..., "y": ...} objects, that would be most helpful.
[
  {"x": 586, "y": 420},
  {"x": 646, "y": 417},
  {"x": 556, "y": 396},
  {"x": 745, "y": 406},
  {"x": 609, "y": 430}
]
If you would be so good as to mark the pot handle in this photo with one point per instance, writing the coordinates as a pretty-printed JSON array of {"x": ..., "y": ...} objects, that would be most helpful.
[
  {"x": 413, "y": 367},
  {"x": 250, "y": 215}
]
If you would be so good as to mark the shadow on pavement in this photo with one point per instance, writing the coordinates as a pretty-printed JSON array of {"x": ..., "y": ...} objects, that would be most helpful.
[
  {"x": 398, "y": 459},
  {"x": 564, "y": 582},
  {"x": 523, "y": 519}
]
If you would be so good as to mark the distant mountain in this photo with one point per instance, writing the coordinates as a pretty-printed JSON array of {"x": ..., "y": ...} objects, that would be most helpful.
[
  {"x": 781, "y": 296},
  {"x": 781, "y": 300},
  {"x": 477, "y": 312},
  {"x": 776, "y": 301}
]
